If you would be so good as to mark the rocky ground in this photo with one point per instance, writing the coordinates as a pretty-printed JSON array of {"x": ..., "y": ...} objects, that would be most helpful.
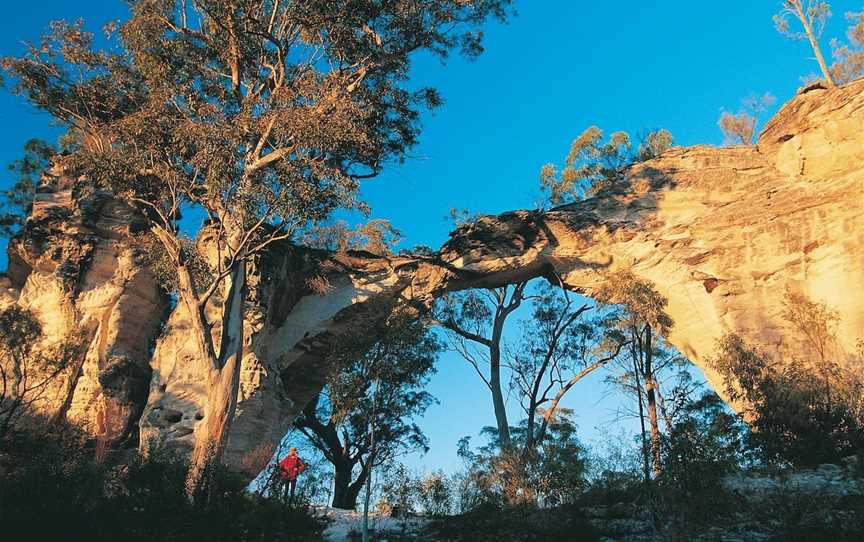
[
  {"x": 826, "y": 503},
  {"x": 346, "y": 525}
]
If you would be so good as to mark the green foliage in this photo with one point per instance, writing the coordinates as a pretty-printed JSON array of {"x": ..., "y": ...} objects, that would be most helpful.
[
  {"x": 264, "y": 115},
  {"x": 51, "y": 488},
  {"x": 489, "y": 523},
  {"x": 814, "y": 325},
  {"x": 706, "y": 443},
  {"x": 382, "y": 372},
  {"x": 637, "y": 301},
  {"x": 561, "y": 462},
  {"x": 593, "y": 164},
  {"x": 796, "y": 416},
  {"x": 18, "y": 200},
  {"x": 254, "y": 111},
  {"x": 377, "y": 236},
  {"x": 434, "y": 494},
  {"x": 19, "y": 331},
  {"x": 159, "y": 261},
  {"x": 653, "y": 144},
  {"x": 364, "y": 417},
  {"x": 550, "y": 473},
  {"x": 403, "y": 493},
  {"x": 471, "y": 310},
  {"x": 590, "y": 164},
  {"x": 399, "y": 490}
]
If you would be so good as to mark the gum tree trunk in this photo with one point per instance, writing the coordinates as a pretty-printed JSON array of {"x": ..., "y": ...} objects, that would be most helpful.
[
  {"x": 814, "y": 43},
  {"x": 342, "y": 497},
  {"x": 495, "y": 384},
  {"x": 651, "y": 400},
  {"x": 223, "y": 386}
]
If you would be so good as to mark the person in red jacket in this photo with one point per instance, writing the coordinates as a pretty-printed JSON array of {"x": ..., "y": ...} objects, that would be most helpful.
[{"x": 289, "y": 469}]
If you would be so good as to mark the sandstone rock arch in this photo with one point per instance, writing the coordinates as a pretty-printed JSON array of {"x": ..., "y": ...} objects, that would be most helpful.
[{"x": 722, "y": 233}]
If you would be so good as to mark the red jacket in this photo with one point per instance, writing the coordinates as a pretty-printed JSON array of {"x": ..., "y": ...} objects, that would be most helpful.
[{"x": 291, "y": 466}]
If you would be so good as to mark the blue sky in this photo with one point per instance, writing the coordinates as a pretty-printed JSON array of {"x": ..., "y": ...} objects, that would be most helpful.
[{"x": 557, "y": 68}]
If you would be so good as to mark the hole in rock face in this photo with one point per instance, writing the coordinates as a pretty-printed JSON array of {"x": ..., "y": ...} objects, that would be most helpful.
[
  {"x": 182, "y": 432},
  {"x": 199, "y": 416},
  {"x": 172, "y": 416},
  {"x": 710, "y": 284},
  {"x": 818, "y": 85}
]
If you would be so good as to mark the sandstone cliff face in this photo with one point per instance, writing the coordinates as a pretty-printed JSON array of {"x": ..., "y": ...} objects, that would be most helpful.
[
  {"x": 73, "y": 269},
  {"x": 290, "y": 322},
  {"x": 722, "y": 233}
]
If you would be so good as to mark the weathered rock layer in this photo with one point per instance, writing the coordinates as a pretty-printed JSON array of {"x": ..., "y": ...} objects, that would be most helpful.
[
  {"x": 722, "y": 233},
  {"x": 76, "y": 273}
]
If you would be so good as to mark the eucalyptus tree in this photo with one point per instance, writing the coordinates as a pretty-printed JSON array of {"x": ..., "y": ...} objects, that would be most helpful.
[
  {"x": 475, "y": 322},
  {"x": 17, "y": 201},
  {"x": 262, "y": 114},
  {"x": 812, "y": 16},
  {"x": 363, "y": 418},
  {"x": 594, "y": 162},
  {"x": 740, "y": 128},
  {"x": 849, "y": 56},
  {"x": 558, "y": 347},
  {"x": 639, "y": 314}
]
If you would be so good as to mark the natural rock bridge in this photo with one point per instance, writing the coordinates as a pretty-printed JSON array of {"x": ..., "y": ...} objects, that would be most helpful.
[{"x": 722, "y": 233}]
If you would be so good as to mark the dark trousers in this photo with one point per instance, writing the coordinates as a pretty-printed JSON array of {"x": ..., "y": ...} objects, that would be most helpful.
[{"x": 288, "y": 490}]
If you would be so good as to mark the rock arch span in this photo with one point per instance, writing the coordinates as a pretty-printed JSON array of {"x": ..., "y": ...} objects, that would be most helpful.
[{"x": 721, "y": 232}]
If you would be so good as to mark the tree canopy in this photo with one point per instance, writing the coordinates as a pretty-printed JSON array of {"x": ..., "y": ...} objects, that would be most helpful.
[
  {"x": 365, "y": 415},
  {"x": 265, "y": 115}
]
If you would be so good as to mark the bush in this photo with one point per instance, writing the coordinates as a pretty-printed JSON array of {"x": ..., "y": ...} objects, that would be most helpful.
[
  {"x": 434, "y": 494},
  {"x": 803, "y": 414},
  {"x": 489, "y": 523},
  {"x": 550, "y": 473},
  {"x": 399, "y": 491},
  {"x": 703, "y": 447},
  {"x": 403, "y": 493},
  {"x": 51, "y": 488}
]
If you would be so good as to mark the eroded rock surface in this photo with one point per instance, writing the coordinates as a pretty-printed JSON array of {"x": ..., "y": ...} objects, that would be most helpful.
[
  {"x": 722, "y": 233},
  {"x": 75, "y": 271}
]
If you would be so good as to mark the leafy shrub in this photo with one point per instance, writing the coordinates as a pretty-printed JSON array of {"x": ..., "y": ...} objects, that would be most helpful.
[
  {"x": 399, "y": 490},
  {"x": 702, "y": 448},
  {"x": 403, "y": 493},
  {"x": 549, "y": 473},
  {"x": 489, "y": 523},
  {"x": 802, "y": 413},
  {"x": 434, "y": 494},
  {"x": 51, "y": 488}
]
